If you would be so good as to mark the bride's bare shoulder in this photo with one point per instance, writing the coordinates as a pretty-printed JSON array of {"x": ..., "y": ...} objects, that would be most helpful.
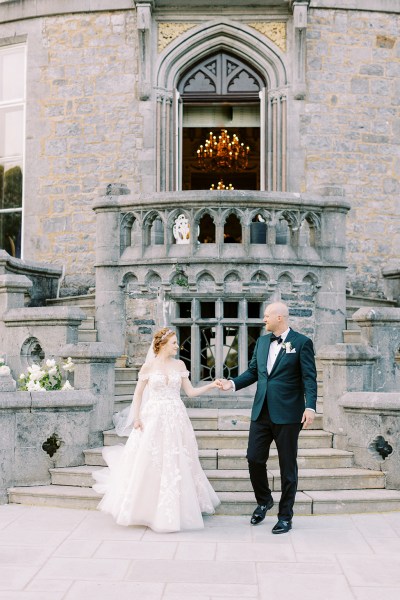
[{"x": 180, "y": 365}]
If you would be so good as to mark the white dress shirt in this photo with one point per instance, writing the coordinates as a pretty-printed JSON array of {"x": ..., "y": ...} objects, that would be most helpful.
[{"x": 274, "y": 349}]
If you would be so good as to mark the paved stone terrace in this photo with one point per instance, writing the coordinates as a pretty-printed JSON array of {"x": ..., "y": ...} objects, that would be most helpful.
[{"x": 64, "y": 554}]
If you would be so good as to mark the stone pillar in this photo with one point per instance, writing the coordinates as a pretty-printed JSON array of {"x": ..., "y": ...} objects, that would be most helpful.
[
  {"x": 109, "y": 294},
  {"x": 380, "y": 328},
  {"x": 330, "y": 304},
  {"x": 346, "y": 368},
  {"x": 95, "y": 372}
]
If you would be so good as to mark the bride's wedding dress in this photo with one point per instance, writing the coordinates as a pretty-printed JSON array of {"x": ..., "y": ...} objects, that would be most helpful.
[{"x": 156, "y": 479}]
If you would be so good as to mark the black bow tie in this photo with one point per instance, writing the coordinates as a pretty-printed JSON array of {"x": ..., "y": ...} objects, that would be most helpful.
[{"x": 278, "y": 339}]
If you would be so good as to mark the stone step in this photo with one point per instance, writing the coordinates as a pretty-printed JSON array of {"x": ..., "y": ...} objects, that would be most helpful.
[
  {"x": 352, "y": 336},
  {"x": 309, "y": 479},
  {"x": 126, "y": 374},
  {"x": 235, "y": 480},
  {"x": 210, "y": 440},
  {"x": 124, "y": 388},
  {"x": 232, "y": 503},
  {"x": 214, "y": 419},
  {"x": 318, "y": 458},
  {"x": 354, "y": 501},
  {"x": 208, "y": 458},
  {"x": 55, "y": 495},
  {"x": 83, "y": 300},
  {"x": 308, "y": 458},
  {"x": 88, "y": 323},
  {"x": 87, "y": 335}
]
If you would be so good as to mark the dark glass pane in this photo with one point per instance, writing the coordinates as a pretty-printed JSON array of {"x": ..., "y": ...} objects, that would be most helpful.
[
  {"x": 282, "y": 233},
  {"x": 10, "y": 233},
  {"x": 10, "y": 187},
  {"x": 185, "y": 310},
  {"x": 206, "y": 230},
  {"x": 185, "y": 345},
  {"x": 258, "y": 231},
  {"x": 253, "y": 333},
  {"x": 254, "y": 310},
  {"x": 230, "y": 352},
  {"x": 232, "y": 230},
  {"x": 207, "y": 353},
  {"x": 231, "y": 310},
  {"x": 207, "y": 310}
]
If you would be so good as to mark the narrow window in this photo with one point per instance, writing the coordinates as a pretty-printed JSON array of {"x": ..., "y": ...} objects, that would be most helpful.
[{"x": 12, "y": 122}]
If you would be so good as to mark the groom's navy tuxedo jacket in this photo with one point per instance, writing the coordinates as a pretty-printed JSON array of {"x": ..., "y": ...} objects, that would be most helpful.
[{"x": 291, "y": 385}]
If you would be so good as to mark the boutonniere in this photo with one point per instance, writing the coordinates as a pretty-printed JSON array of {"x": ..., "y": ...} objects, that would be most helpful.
[{"x": 287, "y": 346}]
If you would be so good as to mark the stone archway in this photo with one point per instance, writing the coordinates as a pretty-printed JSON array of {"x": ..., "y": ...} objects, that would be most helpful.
[{"x": 248, "y": 47}]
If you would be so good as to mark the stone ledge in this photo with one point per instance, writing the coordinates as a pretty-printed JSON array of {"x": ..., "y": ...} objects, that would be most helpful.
[
  {"x": 381, "y": 402},
  {"x": 19, "y": 10},
  {"x": 344, "y": 353},
  {"x": 43, "y": 316},
  {"x": 377, "y": 315},
  {"x": 37, "y": 401},
  {"x": 390, "y": 6}
]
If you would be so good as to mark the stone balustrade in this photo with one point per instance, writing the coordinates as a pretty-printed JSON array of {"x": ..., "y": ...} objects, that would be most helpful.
[
  {"x": 245, "y": 243},
  {"x": 361, "y": 392}
]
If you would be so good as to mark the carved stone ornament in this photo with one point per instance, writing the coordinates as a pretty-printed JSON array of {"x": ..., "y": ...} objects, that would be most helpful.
[
  {"x": 181, "y": 230},
  {"x": 275, "y": 31},
  {"x": 168, "y": 32}
]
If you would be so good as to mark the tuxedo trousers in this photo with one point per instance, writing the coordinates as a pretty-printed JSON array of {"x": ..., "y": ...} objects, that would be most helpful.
[{"x": 261, "y": 435}]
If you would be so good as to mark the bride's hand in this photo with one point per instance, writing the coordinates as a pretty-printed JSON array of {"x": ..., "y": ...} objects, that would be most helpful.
[{"x": 137, "y": 424}]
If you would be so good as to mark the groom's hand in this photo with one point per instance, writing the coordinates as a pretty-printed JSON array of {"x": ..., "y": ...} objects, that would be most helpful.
[
  {"x": 308, "y": 418},
  {"x": 224, "y": 384}
]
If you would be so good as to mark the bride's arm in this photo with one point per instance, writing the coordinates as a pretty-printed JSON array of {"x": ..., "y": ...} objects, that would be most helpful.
[
  {"x": 141, "y": 384},
  {"x": 193, "y": 392}
]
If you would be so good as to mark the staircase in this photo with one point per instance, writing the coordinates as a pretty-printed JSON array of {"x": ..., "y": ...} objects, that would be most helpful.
[
  {"x": 87, "y": 329},
  {"x": 329, "y": 482}
]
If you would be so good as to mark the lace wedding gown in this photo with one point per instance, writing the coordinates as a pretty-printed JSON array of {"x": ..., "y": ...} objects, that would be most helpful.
[{"x": 156, "y": 479}]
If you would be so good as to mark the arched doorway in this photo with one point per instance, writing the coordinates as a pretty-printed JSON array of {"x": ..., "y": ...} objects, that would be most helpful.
[
  {"x": 259, "y": 79},
  {"x": 219, "y": 125}
]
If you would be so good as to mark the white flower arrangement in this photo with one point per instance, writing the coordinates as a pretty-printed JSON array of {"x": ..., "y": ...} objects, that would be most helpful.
[
  {"x": 4, "y": 369},
  {"x": 47, "y": 377}
]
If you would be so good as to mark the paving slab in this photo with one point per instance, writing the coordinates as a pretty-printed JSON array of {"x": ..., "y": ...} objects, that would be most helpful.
[{"x": 51, "y": 553}]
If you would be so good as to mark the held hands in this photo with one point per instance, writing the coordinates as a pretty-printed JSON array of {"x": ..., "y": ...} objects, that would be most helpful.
[
  {"x": 223, "y": 384},
  {"x": 137, "y": 424},
  {"x": 308, "y": 418}
]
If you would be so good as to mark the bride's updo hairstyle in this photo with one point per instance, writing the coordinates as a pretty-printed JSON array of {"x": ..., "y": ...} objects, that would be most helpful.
[{"x": 161, "y": 338}]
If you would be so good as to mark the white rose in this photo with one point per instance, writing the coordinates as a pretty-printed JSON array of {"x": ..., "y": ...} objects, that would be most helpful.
[
  {"x": 51, "y": 363},
  {"x": 4, "y": 370},
  {"x": 53, "y": 371}
]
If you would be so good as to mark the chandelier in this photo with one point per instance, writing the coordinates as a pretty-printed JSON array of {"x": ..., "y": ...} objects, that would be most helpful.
[
  {"x": 222, "y": 186},
  {"x": 226, "y": 152}
]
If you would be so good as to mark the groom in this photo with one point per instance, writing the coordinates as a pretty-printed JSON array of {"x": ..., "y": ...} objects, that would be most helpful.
[{"x": 283, "y": 365}]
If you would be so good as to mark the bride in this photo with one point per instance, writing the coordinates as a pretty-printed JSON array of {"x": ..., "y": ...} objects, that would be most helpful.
[{"x": 156, "y": 479}]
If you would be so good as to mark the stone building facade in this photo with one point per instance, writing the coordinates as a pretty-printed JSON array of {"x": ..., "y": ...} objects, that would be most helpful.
[
  {"x": 117, "y": 96},
  {"x": 87, "y": 122}
]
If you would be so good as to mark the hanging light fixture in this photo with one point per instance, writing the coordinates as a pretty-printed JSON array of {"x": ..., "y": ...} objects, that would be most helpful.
[
  {"x": 222, "y": 186},
  {"x": 224, "y": 153}
]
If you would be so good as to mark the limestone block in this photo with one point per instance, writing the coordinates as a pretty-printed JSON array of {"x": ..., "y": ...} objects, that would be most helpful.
[{"x": 368, "y": 416}]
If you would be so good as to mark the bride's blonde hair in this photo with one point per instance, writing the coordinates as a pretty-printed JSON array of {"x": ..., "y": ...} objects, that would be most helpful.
[{"x": 161, "y": 338}]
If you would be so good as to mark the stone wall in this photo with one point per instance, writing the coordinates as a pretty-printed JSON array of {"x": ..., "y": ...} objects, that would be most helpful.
[
  {"x": 83, "y": 130},
  {"x": 351, "y": 130}
]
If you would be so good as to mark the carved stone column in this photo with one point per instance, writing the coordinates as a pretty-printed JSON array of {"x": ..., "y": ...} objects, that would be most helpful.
[
  {"x": 300, "y": 8},
  {"x": 143, "y": 9}
]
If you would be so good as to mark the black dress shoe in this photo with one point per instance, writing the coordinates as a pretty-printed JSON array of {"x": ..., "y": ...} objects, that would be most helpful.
[
  {"x": 260, "y": 512},
  {"x": 282, "y": 526}
]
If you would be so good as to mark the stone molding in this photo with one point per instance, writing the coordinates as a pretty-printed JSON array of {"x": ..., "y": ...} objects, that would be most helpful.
[
  {"x": 12, "y": 10},
  {"x": 389, "y": 6},
  {"x": 382, "y": 402}
]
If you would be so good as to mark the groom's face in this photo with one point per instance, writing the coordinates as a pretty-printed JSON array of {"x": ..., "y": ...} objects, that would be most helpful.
[{"x": 271, "y": 319}]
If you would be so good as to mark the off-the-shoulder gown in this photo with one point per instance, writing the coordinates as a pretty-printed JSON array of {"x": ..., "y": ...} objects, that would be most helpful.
[{"x": 156, "y": 479}]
